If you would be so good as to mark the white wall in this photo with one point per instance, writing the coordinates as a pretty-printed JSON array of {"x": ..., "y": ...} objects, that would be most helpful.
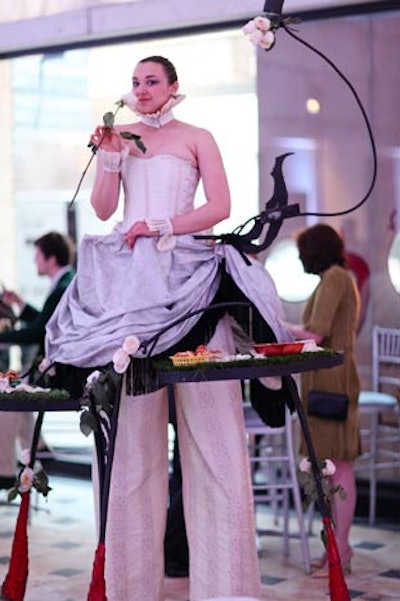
[{"x": 105, "y": 20}]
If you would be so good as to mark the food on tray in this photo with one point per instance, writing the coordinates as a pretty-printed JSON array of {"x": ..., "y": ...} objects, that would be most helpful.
[
  {"x": 200, "y": 355},
  {"x": 10, "y": 381},
  {"x": 9, "y": 375},
  {"x": 285, "y": 348}
]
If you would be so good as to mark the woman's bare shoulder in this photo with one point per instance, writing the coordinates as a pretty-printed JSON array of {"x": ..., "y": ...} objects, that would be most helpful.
[{"x": 199, "y": 132}]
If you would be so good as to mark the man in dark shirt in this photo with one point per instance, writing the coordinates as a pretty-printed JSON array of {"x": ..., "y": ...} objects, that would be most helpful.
[{"x": 54, "y": 255}]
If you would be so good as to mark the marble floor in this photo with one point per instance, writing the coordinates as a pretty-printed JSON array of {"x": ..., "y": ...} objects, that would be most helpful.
[{"x": 62, "y": 543}]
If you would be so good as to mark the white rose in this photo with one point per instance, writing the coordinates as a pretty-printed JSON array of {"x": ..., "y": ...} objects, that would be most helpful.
[
  {"x": 256, "y": 37},
  {"x": 329, "y": 469},
  {"x": 249, "y": 27},
  {"x": 129, "y": 100},
  {"x": 131, "y": 344},
  {"x": 267, "y": 40},
  {"x": 262, "y": 23},
  {"x": 26, "y": 479},
  {"x": 305, "y": 465},
  {"x": 25, "y": 457},
  {"x": 121, "y": 360},
  {"x": 92, "y": 378}
]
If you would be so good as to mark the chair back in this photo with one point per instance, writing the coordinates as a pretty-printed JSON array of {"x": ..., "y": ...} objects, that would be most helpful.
[{"x": 386, "y": 360}]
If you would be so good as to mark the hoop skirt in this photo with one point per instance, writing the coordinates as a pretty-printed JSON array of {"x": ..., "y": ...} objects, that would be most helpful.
[{"x": 120, "y": 292}]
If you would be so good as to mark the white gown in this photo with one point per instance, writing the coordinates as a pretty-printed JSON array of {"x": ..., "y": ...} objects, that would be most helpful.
[{"x": 119, "y": 292}]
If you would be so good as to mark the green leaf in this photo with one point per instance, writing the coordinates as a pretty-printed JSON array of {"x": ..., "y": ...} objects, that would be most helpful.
[
  {"x": 303, "y": 477},
  {"x": 88, "y": 423},
  {"x": 108, "y": 119},
  {"x": 41, "y": 483},
  {"x": 127, "y": 135},
  {"x": 12, "y": 494}
]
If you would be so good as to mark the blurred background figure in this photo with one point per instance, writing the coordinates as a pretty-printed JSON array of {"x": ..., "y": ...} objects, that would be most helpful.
[
  {"x": 331, "y": 318},
  {"x": 54, "y": 257}
]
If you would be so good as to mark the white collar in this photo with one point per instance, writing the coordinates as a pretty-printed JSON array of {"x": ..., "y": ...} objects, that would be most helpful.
[
  {"x": 161, "y": 117},
  {"x": 156, "y": 120}
]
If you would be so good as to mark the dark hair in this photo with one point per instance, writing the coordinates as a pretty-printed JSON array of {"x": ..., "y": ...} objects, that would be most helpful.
[
  {"x": 320, "y": 247},
  {"x": 57, "y": 245},
  {"x": 168, "y": 67}
]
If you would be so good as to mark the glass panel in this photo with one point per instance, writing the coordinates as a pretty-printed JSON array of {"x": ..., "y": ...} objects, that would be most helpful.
[{"x": 286, "y": 269}]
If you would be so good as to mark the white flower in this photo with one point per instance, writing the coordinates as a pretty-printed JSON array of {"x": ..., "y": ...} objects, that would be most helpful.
[
  {"x": 129, "y": 100},
  {"x": 25, "y": 457},
  {"x": 262, "y": 23},
  {"x": 260, "y": 32},
  {"x": 121, "y": 360},
  {"x": 267, "y": 40},
  {"x": 329, "y": 469},
  {"x": 305, "y": 465},
  {"x": 26, "y": 479},
  {"x": 130, "y": 345},
  {"x": 249, "y": 27},
  {"x": 91, "y": 379},
  {"x": 256, "y": 37}
]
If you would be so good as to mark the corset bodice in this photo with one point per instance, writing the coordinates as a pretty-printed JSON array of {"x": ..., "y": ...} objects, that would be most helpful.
[{"x": 157, "y": 188}]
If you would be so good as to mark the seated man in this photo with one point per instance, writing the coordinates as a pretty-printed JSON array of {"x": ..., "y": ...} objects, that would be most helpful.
[{"x": 54, "y": 255}]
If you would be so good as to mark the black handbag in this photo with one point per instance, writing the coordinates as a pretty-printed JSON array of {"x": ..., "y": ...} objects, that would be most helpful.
[{"x": 328, "y": 405}]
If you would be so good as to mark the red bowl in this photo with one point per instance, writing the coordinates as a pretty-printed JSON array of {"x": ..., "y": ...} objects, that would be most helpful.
[{"x": 281, "y": 348}]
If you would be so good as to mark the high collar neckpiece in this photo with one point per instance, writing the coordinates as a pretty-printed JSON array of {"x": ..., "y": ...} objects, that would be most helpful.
[{"x": 161, "y": 117}]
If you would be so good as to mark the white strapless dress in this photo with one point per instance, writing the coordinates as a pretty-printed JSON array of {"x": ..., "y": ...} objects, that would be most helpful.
[{"x": 119, "y": 291}]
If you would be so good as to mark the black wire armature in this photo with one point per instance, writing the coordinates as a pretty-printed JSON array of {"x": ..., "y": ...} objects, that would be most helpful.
[{"x": 364, "y": 114}]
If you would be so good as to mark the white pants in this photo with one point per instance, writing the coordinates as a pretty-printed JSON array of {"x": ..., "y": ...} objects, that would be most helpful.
[{"x": 217, "y": 494}]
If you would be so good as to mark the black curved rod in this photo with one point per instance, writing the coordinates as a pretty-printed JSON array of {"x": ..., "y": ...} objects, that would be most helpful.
[{"x": 366, "y": 120}]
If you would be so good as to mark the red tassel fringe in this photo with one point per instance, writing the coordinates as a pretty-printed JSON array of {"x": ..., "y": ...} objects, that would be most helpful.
[
  {"x": 337, "y": 584},
  {"x": 97, "y": 590},
  {"x": 14, "y": 584}
]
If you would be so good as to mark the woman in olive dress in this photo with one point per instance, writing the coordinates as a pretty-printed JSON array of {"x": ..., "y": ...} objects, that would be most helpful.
[{"x": 331, "y": 317}]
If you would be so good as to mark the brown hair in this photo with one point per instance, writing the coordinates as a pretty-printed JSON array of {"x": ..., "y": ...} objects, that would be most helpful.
[
  {"x": 320, "y": 247},
  {"x": 57, "y": 245},
  {"x": 166, "y": 64}
]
